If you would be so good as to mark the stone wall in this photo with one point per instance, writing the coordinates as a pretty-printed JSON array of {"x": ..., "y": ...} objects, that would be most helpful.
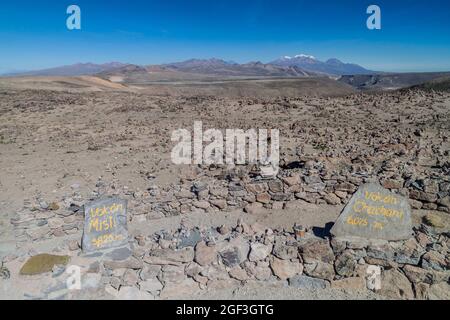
[
  {"x": 222, "y": 189},
  {"x": 191, "y": 260}
]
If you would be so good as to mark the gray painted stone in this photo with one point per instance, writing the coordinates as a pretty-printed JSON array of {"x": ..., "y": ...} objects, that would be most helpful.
[
  {"x": 375, "y": 213},
  {"x": 105, "y": 225}
]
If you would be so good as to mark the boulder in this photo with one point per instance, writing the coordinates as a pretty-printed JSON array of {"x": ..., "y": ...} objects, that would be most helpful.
[
  {"x": 205, "y": 255},
  {"x": 285, "y": 269},
  {"x": 345, "y": 264},
  {"x": 394, "y": 284},
  {"x": 316, "y": 249},
  {"x": 319, "y": 269}
]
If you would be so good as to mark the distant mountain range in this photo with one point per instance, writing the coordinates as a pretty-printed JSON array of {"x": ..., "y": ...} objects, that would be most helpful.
[
  {"x": 223, "y": 68},
  {"x": 297, "y": 66},
  {"x": 78, "y": 69},
  {"x": 329, "y": 67}
]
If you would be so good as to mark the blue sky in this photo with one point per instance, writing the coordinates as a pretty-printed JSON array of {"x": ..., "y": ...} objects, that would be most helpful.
[{"x": 415, "y": 35}]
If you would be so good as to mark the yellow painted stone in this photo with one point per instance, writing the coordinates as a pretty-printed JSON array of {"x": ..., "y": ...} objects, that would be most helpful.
[{"x": 42, "y": 263}]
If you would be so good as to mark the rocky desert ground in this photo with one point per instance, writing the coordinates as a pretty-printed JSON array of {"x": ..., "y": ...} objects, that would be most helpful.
[{"x": 199, "y": 232}]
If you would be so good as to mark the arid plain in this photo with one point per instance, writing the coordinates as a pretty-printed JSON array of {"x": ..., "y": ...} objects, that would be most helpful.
[{"x": 67, "y": 140}]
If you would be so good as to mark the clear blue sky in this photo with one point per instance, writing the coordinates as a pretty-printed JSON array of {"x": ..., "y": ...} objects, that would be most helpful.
[{"x": 415, "y": 35}]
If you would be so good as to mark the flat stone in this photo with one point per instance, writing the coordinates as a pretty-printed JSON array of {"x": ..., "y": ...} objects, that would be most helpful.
[
  {"x": 105, "y": 225},
  {"x": 257, "y": 187},
  {"x": 170, "y": 256},
  {"x": 43, "y": 263},
  {"x": 219, "y": 203},
  {"x": 375, "y": 213},
  {"x": 417, "y": 275},
  {"x": 55, "y": 223},
  {"x": 345, "y": 264},
  {"x": 130, "y": 263},
  {"x": 284, "y": 251},
  {"x": 173, "y": 273},
  {"x": 130, "y": 278},
  {"x": 119, "y": 254},
  {"x": 316, "y": 249},
  {"x": 285, "y": 269},
  {"x": 133, "y": 293},
  {"x": 439, "y": 291},
  {"x": 202, "y": 204},
  {"x": 434, "y": 260},
  {"x": 291, "y": 181},
  {"x": 230, "y": 257},
  {"x": 309, "y": 283},
  {"x": 149, "y": 272},
  {"x": 394, "y": 284},
  {"x": 319, "y": 269},
  {"x": 238, "y": 273},
  {"x": 151, "y": 285},
  {"x": 205, "y": 255},
  {"x": 235, "y": 252},
  {"x": 259, "y": 251},
  {"x": 332, "y": 199},
  {"x": 190, "y": 239},
  {"x": 263, "y": 197},
  {"x": 182, "y": 289},
  {"x": 409, "y": 252}
]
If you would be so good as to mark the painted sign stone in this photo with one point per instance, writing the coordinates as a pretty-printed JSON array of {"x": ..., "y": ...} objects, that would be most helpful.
[
  {"x": 375, "y": 213},
  {"x": 105, "y": 224}
]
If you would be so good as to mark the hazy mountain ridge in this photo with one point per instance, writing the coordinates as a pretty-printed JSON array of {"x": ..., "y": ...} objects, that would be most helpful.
[
  {"x": 299, "y": 66},
  {"x": 220, "y": 67},
  {"x": 78, "y": 69},
  {"x": 332, "y": 66}
]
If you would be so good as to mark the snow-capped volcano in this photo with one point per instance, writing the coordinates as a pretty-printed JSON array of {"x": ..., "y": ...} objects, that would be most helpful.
[
  {"x": 298, "y": 56},
  {"x": 310, "y": 63},
  {"x": 304, "y": 56}
]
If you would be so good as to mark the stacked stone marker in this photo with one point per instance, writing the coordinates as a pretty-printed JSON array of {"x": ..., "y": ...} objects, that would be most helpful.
[
  {"x": 105, "y": 225},
  {"x": 375, "y": 213}
]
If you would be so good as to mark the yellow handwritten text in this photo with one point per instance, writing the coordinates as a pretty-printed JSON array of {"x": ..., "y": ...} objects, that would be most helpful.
[
  {"x": 105, "y": 239},
  {"x": 103, "y": 211},
  {"x": 102, "y": 223},
  {"x": 378, "y": 197},
  {"x": 357, "y": 221},
  {"x": 361, "y": 206}
]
